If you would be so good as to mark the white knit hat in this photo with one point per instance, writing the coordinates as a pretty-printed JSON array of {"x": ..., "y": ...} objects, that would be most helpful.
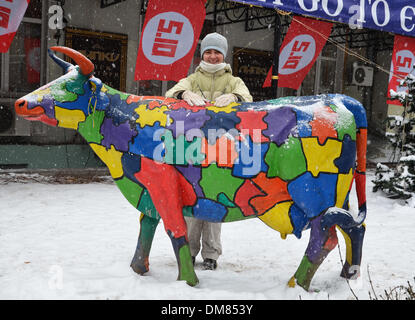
[{"x": 214, "y": 41}]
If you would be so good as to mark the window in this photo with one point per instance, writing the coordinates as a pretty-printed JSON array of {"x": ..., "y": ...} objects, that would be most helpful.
[
  {"x": 20, "y": 73},
  {"x": 20, "y": 66},
  {"x": 24, "y": 58},
  {"x": 322, "y": 76}
]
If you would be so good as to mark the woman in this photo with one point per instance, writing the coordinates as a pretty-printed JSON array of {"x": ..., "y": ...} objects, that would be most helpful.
[{"x": 211, "y": 81}]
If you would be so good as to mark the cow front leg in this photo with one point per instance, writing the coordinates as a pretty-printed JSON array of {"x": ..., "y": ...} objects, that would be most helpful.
[
  {"x": 140, "y": 263},
  {"x": 354, "y": 241},
  {"x": 321, "y": 242}
]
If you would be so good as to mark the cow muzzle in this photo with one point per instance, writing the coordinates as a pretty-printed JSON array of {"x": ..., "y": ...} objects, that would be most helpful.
[
  {"x": 21, "y": 103},
  {"x": 21, "y": 107},
  {"x": 36, "y": 113}
]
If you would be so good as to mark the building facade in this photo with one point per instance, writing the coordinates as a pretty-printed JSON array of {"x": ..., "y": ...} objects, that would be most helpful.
[{"x": 108, "y": 32}]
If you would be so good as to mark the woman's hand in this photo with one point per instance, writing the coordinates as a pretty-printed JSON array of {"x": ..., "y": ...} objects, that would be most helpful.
[
  {"x": 225, "y": 99},
  {"x": 193, "y": 99}
]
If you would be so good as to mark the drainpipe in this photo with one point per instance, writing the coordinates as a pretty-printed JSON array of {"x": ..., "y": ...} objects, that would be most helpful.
[{"x": 277, "y": 36}]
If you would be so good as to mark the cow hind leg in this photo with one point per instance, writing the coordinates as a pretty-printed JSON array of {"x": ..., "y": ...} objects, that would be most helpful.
[
  {"x": 321, "y": 242},
  {"x": 354, "y": 241},
  {"x": 184, "y": 259},
  {"x": 170, "y": 192},
  {"x": 140, "y": 263}
]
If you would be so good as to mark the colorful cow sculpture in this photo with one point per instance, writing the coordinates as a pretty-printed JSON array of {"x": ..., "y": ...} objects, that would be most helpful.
[{"x": 290, "y": 161}]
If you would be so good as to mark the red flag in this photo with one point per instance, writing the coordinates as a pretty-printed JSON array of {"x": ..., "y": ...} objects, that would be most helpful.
[
  {"x": 11, "y": 14},
  {"x": 169, "y": 38},
  {"x": 32, "y": 50},
  {"x": 301, "y": 47},
  {"x": 403, "y": 61}
]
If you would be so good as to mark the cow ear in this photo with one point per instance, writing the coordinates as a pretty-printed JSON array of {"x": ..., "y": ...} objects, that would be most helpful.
[{"x": 95, "y": 85}]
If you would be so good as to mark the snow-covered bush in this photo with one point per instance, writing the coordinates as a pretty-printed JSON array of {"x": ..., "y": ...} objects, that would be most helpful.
[{"x": 399, "y": 181}]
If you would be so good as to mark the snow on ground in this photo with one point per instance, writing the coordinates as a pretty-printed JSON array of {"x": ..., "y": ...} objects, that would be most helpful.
[{"x": 76, "y": 241}]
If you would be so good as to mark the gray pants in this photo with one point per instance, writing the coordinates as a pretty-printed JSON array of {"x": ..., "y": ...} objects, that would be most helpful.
[{"x": 210, "y": 233}]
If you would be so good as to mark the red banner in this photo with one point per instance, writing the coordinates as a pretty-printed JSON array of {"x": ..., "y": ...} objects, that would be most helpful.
[
  {"x": 403, "y": 61},
  {"x": 169, "y": 38},
  {"x": 301, "y": 47},
  {"x": 11, "y": 14}
]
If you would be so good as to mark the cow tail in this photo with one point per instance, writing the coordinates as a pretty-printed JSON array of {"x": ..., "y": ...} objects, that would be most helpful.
[{"x": 360, "y": 172}]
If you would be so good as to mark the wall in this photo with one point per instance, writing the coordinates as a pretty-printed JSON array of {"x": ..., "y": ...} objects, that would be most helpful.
[
  {"x": 47, "y": 157},
  {"x": 238, "y": 37},
  {"x": 120, "y": 18},
  {"x": 380, "y": 89}
]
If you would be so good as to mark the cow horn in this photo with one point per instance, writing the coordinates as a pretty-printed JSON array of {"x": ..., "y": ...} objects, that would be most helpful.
[
  {"x": 87, "y": 67},
  {"x": 63, "y": 64}
]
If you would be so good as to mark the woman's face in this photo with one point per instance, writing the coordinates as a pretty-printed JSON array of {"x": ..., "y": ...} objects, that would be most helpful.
[{"x": 213, "y": 56}]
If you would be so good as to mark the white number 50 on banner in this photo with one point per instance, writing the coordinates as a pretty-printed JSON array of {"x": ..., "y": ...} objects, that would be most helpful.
[
  {"x": 297, "y": 55},
  {"x": 170, "y": 38}
]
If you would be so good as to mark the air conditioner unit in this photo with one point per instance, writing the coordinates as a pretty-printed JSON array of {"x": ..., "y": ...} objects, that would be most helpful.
[
  {"x": 10, "y": 124},
  {"x": 362, "y": 76}
]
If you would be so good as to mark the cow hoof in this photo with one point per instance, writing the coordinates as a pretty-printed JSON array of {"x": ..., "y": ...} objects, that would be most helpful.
[
  {"x": 350, "y": 272},
  {"x": 293, "y": 282},
  {"x": 139, "y": 267},
  {"x": 191, "y": 280}
]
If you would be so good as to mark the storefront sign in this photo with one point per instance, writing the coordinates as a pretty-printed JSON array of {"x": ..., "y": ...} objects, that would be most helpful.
[
  {"x": 108, "y": 52},
  {"x": 169, "y": 38},
  {"x": 11, "y": 14},
  {"x": 397, "y": 16}
]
